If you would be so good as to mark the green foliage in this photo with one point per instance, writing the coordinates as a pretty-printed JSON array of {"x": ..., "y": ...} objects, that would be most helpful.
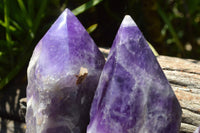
[
  {"x": 153, "y": 49},
  {"x": 22, "y": 21},
  {"x": 181, "y": 21},
  {"x": 85, "y": 6},
  {"x": 172, "y": 26},
  {"x": 171, "y": 29},
  {"x": 92, "y": 28}
]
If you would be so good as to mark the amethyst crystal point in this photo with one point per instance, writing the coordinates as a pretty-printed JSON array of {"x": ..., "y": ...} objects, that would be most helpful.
[
  {"x": 133, "y": 94},
  {"x": 63, "y": 74}
]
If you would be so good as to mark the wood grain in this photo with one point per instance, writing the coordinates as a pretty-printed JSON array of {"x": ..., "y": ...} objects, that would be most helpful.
[{"x": 184, "y": 77}]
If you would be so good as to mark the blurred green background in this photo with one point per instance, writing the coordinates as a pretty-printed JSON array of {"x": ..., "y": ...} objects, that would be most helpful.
[{"x": 171, "y": 26}]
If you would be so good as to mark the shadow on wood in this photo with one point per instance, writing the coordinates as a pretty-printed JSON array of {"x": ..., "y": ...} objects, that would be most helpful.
[{"x": 11, "y": 119}]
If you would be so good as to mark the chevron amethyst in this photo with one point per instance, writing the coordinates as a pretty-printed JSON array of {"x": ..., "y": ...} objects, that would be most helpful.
[
  {"x": 63, "y": 74},
  {"x": 133, "y": 94}
]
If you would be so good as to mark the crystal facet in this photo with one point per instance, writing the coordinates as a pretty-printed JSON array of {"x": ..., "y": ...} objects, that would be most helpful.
[
  {"x": 133, "y": 94},
  {"x": 63, "y": 74},
  {"x": 197, "y": 130}
]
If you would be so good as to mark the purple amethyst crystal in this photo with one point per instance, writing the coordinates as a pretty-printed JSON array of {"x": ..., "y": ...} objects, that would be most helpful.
[
  {"x": 63, "y": 74},
  {"x": 197, "y": 130},
  {"x": 133, "y": 94}
]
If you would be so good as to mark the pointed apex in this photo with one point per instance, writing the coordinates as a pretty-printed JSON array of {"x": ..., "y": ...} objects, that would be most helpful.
[
  {"x": 133, "y": 94},
  {"x": 128, "y": 21},
  {"x": 67, "y": 10},
  {"x": 66, "y": 62}
]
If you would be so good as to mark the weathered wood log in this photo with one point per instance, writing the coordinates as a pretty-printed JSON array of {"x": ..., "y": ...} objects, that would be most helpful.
[
  {"x": 11, "y": 126},
  {"x": 183, "y": 75}
]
